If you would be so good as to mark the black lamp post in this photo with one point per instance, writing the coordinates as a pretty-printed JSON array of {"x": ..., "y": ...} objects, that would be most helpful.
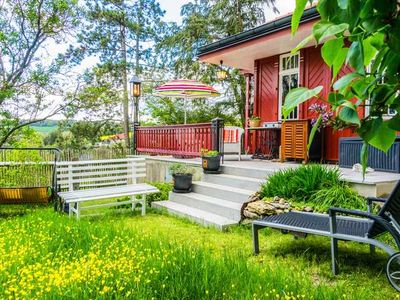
[
  {"x": 135, "y": 90},
  {"x": 135, "y": 86}
]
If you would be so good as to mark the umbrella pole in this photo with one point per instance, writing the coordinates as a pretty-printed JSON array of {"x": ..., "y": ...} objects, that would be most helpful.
[{"x": 184, "y": 105}]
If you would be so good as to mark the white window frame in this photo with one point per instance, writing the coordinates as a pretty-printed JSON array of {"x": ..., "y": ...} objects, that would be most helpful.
[{"x": 287, "y": 72}]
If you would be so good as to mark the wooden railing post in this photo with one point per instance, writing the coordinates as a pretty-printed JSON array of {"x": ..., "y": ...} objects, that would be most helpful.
[{"x": 217, "y": 135}]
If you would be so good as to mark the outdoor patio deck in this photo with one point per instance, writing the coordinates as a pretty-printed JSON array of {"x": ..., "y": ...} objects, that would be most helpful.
[{"x": 375, "y": 183}]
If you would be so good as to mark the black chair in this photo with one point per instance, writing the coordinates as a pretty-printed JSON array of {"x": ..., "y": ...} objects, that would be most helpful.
[{"x": 347, "y": 225}]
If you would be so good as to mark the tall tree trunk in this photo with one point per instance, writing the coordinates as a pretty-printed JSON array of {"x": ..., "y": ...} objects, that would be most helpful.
[{"x": 125, "y": 85}]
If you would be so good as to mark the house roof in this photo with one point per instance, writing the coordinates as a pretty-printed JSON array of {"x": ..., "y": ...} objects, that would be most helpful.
[{"x": 275, "y": 34}]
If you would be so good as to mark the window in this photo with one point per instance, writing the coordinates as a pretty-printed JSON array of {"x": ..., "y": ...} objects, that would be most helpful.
[{"x": 288, "y": 79}]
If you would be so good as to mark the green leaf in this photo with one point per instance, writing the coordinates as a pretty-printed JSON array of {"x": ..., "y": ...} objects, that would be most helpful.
[
  {"x": 335, "y": 99},
  {"x": 394, "y": 123},
  {"x": 369, "y": 128},
  {"x": 344, "y": 81},
  {"x": 369, "y": 50},
  {"x": 302, "y": 44},
  {"x": 313, "y": 132},
  {"x": 298, "y": 96},
  {"x": 343, "y": 3},
  {"x": 334, "y": 55},
  {"x": 384, "y": 137},
  {"x": 298, "y": 12},
  {"x": 324, "y": 29},
  {"x": 349, "y": 115},
  {"x": 355, "y": 57}
]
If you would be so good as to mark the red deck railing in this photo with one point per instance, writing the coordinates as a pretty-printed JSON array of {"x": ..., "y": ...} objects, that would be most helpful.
[{"x": 185, "y": 140}]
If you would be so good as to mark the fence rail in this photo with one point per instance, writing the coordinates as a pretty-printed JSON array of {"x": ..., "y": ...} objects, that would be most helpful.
[{"x": 185, "y": 140}]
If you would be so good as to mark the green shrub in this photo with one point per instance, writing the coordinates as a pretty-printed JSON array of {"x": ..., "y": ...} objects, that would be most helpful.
[
  {"x": 163, "y": 187},
  {"x": 338, "y": 196},
  {"x": 300, "y": 183},
  {"x": 180, "y": 168},
  {"x": 312, "y": 185}
]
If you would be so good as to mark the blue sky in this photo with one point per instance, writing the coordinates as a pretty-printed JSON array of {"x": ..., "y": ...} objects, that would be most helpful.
[{"x": 173, "y": 7}]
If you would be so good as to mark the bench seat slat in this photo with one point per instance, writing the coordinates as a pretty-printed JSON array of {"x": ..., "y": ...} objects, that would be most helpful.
[{"x": 107, "y": 192}]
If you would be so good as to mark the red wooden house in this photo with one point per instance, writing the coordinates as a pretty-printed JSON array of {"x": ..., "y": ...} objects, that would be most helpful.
[{"x": 263, "y": 55}]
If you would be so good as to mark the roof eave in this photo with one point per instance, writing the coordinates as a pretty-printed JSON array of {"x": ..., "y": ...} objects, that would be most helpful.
[{"x": 257, "y": 32}]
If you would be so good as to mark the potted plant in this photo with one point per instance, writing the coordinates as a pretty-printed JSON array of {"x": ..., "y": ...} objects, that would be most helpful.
[
  {"x": 182, "y": 176},
  {"x": 211, "y": 161},
  {"x": 254, "y": 121}
]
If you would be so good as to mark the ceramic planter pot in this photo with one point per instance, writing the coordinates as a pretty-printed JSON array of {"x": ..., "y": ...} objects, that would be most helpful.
[
  {"x": 211, "y": 164},
  {"x": 254, "y": 123},
  {"x": 182, "y": 183}
]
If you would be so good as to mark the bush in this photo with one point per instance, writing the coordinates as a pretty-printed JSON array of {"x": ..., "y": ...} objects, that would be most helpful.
[
  {"x": 300, "y": 183},
  {"x": 163, "y": 187},
  {"x": 312, "y": 185},
  {"x": 338, "y": 196},
  {"x": 181, "y": 169}
]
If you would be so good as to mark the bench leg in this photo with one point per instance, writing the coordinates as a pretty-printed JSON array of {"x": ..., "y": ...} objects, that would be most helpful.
[
  {"x": 78, "y": 210},
  {"x": 256, "y": 244},
  {"x": 143, "y": 205},
  {"x": 70, "y": 212},
  {"x": 334, "y": 253},
  {"x": 133, "y": 198}
]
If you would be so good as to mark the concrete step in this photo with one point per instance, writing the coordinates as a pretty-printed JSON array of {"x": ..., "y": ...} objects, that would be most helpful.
[
  {"x": 224, "y": 208},
  {"x": 246, "y": 172},
  {"x": 197, "y": 215},
  {"x": 222, "y": 192},
  {"x": 241, "y": 182}
]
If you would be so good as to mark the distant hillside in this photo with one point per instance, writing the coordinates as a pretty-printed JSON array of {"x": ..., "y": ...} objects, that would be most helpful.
[
  {"x": 44, "y": 129},
  {"x": 46, "y": 126}
]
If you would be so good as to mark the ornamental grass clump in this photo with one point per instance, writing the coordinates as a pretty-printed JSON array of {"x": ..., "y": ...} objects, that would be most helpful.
[{"x": 313, "y": 185}]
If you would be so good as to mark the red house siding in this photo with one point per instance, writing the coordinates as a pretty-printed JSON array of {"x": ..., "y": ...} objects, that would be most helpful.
[
  {"x": 267, "y": 89},
  {"x": 313, "y": 72}
]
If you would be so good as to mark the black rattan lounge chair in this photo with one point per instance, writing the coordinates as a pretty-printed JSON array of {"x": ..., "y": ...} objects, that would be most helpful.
[{"x": 346, "y": 225}]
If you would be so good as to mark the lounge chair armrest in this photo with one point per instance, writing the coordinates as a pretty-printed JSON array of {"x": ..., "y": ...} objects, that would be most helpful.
[
  {"x": 375, "y": 199},
  {"x": 358, "y": 213}
]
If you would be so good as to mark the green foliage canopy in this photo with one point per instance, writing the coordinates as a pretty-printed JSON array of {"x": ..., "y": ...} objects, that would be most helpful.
[{"x": 365, "y": 34}]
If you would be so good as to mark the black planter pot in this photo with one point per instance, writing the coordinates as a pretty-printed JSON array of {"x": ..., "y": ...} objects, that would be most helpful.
[
  {"x": 182, "y": 183},
  {"x": 211, "y": 165}
]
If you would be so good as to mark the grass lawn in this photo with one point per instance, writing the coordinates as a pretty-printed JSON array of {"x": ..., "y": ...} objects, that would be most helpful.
[{"x": 47, "y": 255}]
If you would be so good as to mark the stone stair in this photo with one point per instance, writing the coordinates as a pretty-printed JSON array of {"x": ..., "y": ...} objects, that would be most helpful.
[{"x": 217, "y": 200}]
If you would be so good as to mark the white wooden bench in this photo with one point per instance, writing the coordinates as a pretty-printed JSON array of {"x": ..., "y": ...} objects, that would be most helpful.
[{"x": 84, "y": 181}]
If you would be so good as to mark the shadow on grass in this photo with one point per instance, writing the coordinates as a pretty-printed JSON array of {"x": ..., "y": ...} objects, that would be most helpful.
[
  {"x": 12, "y": 211},
  {"x": 353, "y": 256}
]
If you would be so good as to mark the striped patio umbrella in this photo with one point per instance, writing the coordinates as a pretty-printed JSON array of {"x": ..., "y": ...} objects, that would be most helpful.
[{"x": 186, "y": 89}]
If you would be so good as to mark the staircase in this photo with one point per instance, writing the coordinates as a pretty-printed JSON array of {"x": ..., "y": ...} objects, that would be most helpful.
[{"x": 217, "y": 200}]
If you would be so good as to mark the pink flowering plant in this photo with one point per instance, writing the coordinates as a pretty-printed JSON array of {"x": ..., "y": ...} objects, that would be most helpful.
[{"x": 322, "y": 112}]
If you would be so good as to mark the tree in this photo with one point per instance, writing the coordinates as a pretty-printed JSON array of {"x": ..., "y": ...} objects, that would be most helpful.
[
  {"x": 205, "y": 21},
  {"x": 116, "y": 31},
  {"x": 365, "y": 34},
  {"x": 81, "y": 134},
  {"x": 26, "y": 82}
]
